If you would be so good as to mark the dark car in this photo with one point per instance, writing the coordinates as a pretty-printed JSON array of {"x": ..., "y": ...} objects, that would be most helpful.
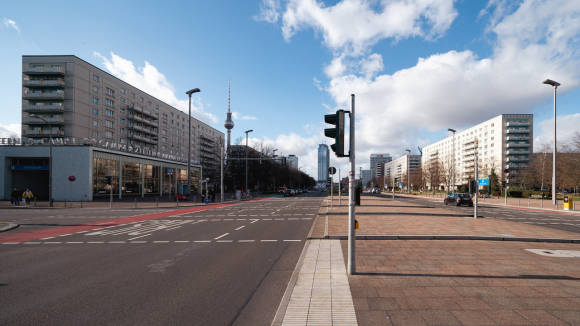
[
  {"x": 288, "y": 193},
  {"x": 458, "y": 199}
]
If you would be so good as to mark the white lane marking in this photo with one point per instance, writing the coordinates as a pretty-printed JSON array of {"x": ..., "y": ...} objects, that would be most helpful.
[
  {"x": 161, "y": 241},
  {"x": 31, "y": 242},
  {"x": 266, "y": 219},
  {"x": 10, "y": 243},
  {"x": 75, "y": 242},
  {"x": 138, "y": 242},
  {"x": 246, "y": 240},
  {"x": 293, "y": 219},
  {"x": 240, "y": 219},
  {"x": 268, "y": 240},
  {"x": 142, "y": 236},
  {"x": 64, "y": 235},
  {"x": 243, "y": 215},
  {"x": 254, "y": 220},
  {"x": 292, "y": 240},
  {"x": 181, "y": 241},
  {"x": 225, "y": 241},
  {"x": 116, "y": 242},
  {"x": 47, "y": 238},
  {"x": 95, "y": 241},
  {"x": 307, "y": 218},
  {"x": 221, "y": 236},
  {"x": 177, "y": 227},
  {"x": 279, "y": 219},
  {"x": 53, "y": 242},
  {"x": 241, "y": 227},
  {"x": 82, "y": 232},
  {"x": 202, "y": 241}
]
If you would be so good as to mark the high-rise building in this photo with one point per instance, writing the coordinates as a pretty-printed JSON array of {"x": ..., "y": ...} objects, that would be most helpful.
[
  {"x": 377, "y": 165},
  {"x": 366, "y": 177},
  {"x": 396, "y": 171},
  {"x": 292, "y": 161},
  {"x": 505, "y": 142},
  {"x": 323, "y": 163}
]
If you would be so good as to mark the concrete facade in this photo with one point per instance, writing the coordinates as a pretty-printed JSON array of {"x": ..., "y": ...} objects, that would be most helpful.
[
  {"x": 377, "y": 164},
  {"x": 323, "y": 163},
  {"x": 396, "y": 170}
]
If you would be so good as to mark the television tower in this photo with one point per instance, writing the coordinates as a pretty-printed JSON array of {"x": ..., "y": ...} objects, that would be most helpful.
[{"x": 229, "y": 124}]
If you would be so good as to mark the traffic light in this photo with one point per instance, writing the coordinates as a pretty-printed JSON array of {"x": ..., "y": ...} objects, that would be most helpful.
[{"x": 337, "y": 132}]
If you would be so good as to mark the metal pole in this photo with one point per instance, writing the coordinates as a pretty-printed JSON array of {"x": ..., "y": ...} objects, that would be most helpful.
[
  {"x": 554, "y": 199},
  {"x": 476, "y": 182},
  {"x": 50, "y": 200},
  {"x": 246, "y": 163},
  {"x": 408, "y": 172},
  {"x": 351, "y": 212},
  {"x": 331, "y": 186},
  {"x": 453, "y": 175},
  {"x": 189, "y": 149},
  {"x": 339, "y": 189},
  {"x": 222, "y": 175},
  {"x": 111, "y": 193}
]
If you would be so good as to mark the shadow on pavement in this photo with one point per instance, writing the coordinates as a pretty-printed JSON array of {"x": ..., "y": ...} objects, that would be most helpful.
[{"x": 531, "y": 277}]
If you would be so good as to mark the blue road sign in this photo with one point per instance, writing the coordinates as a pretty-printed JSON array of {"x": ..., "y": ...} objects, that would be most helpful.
[{"x": 483, "y": 181}]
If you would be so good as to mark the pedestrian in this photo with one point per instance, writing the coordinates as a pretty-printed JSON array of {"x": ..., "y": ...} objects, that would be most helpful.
[
  {"x": 15, "y": 197},
  {"x": 27, "y": 195}
]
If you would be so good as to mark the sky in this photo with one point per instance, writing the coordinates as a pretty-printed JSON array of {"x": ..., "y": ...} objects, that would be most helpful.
[{"x": 417, "y": 67}]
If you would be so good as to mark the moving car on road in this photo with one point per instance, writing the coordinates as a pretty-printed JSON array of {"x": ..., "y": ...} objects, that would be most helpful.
[{"x": 458, "y": 199}]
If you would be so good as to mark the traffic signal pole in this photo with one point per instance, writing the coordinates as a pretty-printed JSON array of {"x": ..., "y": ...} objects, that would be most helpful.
[{"x": 351, "y": 204}]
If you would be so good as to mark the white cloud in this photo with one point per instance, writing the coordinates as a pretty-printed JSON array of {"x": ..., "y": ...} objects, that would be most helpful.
[
  {"x": 269, "y": 11},
  {"x": 566, "y": 128},
  {"x": 152, "y": 81},
  {"x": 238, "y": 116},
  {"x": 9, "y": 23},
  {"x": 11, "y": 130},
  {"x": 351, "y": 26}
]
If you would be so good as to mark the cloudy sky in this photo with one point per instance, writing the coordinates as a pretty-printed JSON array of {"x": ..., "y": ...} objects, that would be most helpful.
[{"x": 417, "y": 67}]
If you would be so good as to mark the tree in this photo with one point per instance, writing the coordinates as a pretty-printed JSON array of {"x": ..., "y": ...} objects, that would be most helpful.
[{"x": 494, "y": 183}]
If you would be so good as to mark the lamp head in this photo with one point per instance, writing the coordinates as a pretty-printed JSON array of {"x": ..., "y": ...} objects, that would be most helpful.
[
  {"x": 551, "y": 82},
  {"x": 451, "y": 129},
  {"x": 191, "y": 91}
]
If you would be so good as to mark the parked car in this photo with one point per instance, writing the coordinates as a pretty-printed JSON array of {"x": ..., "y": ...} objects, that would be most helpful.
[
  {"x": 458, "y": 200},
  {"x": 288, "y": 193}
]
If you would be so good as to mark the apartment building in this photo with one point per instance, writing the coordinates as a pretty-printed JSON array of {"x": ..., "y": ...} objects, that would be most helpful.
[
  {"x": 504, "y": 142},
  {"x": 292, "y": 161},
  {"x": 396, "y": 171},
  {"x": 65, "y": 96},
  {"x": 377, "y": 165}
]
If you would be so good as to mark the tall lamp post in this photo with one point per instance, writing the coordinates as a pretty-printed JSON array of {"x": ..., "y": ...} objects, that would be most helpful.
[
  {"x": 247, "y": 132},
  {"x": 453, "y": 161},
  {"x": 554, "y": 84},
  {"x": 408, "y": 171},
  {"x": 50, "y": 200},
  {"x": 189, "y": 92}
]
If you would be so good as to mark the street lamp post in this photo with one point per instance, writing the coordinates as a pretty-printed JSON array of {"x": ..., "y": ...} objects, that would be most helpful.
[
  {"x": 476, "y": 143},
  {"x": 453, "y": 161},
  {"x": 408, "y": 171},
  {"x": 554, "y": 84},
  {"x": 189, "y": 92},
  {"x": 247, "y": 132}
]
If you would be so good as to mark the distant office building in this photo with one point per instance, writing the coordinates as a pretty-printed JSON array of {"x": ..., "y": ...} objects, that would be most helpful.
[
  {"x": 366, "y": 177},
  {"x": 505, "y": 142},
  {"x": 292, "y": 161},
  {"x": 377, "y": 165},
  {"x": 396, "y": 171},
  {"x": 323, "y": 163}
]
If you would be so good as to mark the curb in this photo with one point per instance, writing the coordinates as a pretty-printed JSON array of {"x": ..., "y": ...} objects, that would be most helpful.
[
  {"x": 9, "y": 226},
  {"x": 452, "y": 237}
]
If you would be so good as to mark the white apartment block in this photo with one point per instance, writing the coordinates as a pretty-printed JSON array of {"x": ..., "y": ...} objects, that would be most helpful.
[
  {"x": 396, "y": 170},
  {"x": 504, "y": 142}
]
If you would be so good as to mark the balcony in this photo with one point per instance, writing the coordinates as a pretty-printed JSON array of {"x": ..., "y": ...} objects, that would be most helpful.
[
  {"x": 514, "y": 145},
  {"x": 142, "y": 139},
  {"x": 517, "y": 124},
  {"x": 517, "y": 131},
  {"x": 517, "y": 152},
  {"x": 138, "y": 118},
  {"x": 59, "y": 120},
  {"x": 144, "y": 129},
  {"x": 44, "y": 95},
  {"x": 44, "y": 133},
  {"x": 44, "y": 82},
  {"x": 42, "y": 107},
  {"x": 516, "y": 159},
  {"x": 44, "y": 70},
  {"x": 138, "y": 109},
  {"x": 509, "y": 138}
]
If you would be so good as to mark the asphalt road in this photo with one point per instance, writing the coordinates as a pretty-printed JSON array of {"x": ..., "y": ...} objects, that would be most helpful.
[
  {"x": 561, "y": 221},
  {"x": 221, "y": 266}
]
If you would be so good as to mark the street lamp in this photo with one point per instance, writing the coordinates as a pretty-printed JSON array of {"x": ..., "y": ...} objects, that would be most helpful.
[
  {"x": 247, "y": 132},
  {"x": 453, "y": 160},
  {"x": 554, "y": 84},
  {"x": 189, "y": 92},
  {"x": 408, "y": 171},
  {"x": 50, "y": 200}
]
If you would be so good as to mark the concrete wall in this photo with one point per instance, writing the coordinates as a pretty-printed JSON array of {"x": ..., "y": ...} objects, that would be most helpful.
[{"x": 72, "y": 161}]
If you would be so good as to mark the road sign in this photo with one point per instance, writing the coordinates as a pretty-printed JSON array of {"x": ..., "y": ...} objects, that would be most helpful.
[
  {"x": 483, "y": 181},
  {"x": 332, "y": 170},
  {"x": 72, "y": 178}
]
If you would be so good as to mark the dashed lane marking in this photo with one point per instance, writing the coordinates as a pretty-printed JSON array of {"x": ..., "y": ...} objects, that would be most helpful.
[
  {"x": 239, "y": 228},
  {"x": 221, "y": 236}
]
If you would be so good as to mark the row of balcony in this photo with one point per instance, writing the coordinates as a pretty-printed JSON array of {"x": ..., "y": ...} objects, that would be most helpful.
[
  {"x": 142, "y": 138},
  {"x": 44, "y": 107},
  {"x": 509, "y": 138},
  {"x": 516, "y": 159},
  {"x": 517, "y": 145},
  {"x": 149, "y": 131},
  {"x": 138, "y": 109},
  {"x": 55, "y": 120},
  {"x": 52, "y": 132},
  {"x": 517, "y": 152},
  {"x": 141, "y": 119},
  {"x": 59, "y": 82},
  {"x": 43, "y": 70},
  {"x": 517, "y": 124},
  {"x": 54, "y": 95},
  {"x": 517, "y": 131}
]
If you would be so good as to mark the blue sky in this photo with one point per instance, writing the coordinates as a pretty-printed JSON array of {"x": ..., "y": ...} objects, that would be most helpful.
[{"x": 416, "y": 69}]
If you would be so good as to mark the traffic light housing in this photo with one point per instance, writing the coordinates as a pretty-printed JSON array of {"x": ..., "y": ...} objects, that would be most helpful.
[{"x": 337, "y": 132}]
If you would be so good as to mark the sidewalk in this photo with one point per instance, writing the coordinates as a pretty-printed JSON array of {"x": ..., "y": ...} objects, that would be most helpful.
[{"x": 454, "y": 282}]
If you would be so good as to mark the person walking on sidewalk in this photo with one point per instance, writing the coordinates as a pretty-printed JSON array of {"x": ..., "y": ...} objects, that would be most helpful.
[
  {"x": 15, "y": 197},
  {"x": 27, "y": 195}
]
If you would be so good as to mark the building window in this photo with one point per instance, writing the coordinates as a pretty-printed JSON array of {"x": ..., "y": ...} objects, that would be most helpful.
[
  {"x": 108, "y": 134},
  {"x": 108, "y": 123},
  {"x": 123, "y": 100},
  {"x": 95, "y": 89},
  {"x": 109, "y": 91},
  {"x": 109, "y": 103},
  {"x": 141, "y": 99},
  {"x": 96, "y": 78},
  {"x": 95, "y": 133},
  {"x": 95, "y": 100},
  {"x": 122, "y": 121},
  {"x": 108, "y": 113},
  {"x": 95, "y": 123},
  {"x": 95, "y": 111},
  {"x": 123, "y": 91}
]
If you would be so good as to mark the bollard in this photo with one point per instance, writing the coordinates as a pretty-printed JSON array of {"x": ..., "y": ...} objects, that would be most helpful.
[{"x": 542, "y": 201}]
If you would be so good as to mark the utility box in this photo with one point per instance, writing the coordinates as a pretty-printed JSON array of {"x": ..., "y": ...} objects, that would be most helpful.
[{"x": 568, "y": 203}]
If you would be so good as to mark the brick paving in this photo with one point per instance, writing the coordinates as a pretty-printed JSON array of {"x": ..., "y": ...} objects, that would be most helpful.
[{"x": 456, "y": 282}]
